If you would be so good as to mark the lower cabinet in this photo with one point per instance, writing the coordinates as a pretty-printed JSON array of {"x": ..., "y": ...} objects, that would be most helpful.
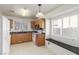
[
  {"x": 20, "y": 37},
  {"x": 40, "y": 39},
  {"x": 57, "y": 49}
]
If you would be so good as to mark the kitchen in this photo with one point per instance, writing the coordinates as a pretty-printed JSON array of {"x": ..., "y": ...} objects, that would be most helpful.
[
  {"x": 39, "y": 29},
  {"x": 17, "y": 33}
]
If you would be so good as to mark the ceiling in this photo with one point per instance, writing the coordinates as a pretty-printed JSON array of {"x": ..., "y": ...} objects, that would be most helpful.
[{"x": 9, "y": 9}]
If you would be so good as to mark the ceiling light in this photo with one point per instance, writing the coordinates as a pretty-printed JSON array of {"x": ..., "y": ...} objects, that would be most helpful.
[
  {"x": 24, "y": 12},
  {"x": 40, "y": 14}
]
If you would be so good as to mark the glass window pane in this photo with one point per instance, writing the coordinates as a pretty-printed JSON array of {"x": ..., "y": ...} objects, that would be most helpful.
[
  {"x": 57, "y": 26},
  {"x": 73, "y": 21},
  {"x": 47, "y": 26},
  {"x": 59, "y": 23},
  {"x": 65, "y": 22},
  {"x": 70, "y": 26},
  {"x": 66, "y": 27}
]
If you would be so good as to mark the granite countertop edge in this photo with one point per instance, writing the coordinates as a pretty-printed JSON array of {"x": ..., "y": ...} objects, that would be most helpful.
[
  {"x": 21, "y": 32},
  {"x": 24, "y": 32}
]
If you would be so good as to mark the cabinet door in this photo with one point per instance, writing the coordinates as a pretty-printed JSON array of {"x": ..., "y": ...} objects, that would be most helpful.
[
  {"x": 29, "y": 37},
  {"x": 24, "y": 37},
  {"x": 41, "y": 23},
  {"x": 40, "y": 40},
  {"x": 15, "y": 38}
]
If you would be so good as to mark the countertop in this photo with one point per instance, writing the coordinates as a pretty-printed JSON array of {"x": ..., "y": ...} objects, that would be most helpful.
[{"x": 17, "y": 32}]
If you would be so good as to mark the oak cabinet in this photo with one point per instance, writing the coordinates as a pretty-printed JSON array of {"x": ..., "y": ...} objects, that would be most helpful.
[
  {"x": 20, "y": 37},
  {"x": 40, "y": 22},
  {"x": 40, "y": 39}
]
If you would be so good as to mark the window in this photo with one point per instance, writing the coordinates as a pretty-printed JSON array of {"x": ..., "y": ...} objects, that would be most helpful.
[
  {"x": 66, "y": 26},
  {"x": 69, "y": 26},
  {"x": 73, "y": 21},
  {"x": 74, "y": 26},
  {"x": 56, "y": 26},
  {"x": 47, "y": 27},
  {"x": 66, "y": 22},
  {"x": 59, "y": 23}
]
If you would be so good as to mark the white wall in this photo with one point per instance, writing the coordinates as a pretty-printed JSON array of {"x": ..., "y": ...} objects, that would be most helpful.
[
  {"x": 5, "y": 35},
  {"x": 0, "y": 34},
  {"x": 62, "y": 11}
]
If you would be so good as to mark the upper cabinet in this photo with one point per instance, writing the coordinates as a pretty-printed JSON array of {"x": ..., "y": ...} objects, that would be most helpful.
[
  {"x": 39, "y": 23},
  {"x": 42, "y": 23}
]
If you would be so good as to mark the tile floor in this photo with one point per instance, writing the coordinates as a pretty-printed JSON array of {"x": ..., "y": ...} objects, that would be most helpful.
[{"x": 28, "y": 48}]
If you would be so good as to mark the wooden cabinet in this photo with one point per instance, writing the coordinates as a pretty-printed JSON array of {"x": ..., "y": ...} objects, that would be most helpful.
[
  {"x": 20, "y": 37},
  {"x": 40, "y": 22},
  {"x": 40, "y": 39}
]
